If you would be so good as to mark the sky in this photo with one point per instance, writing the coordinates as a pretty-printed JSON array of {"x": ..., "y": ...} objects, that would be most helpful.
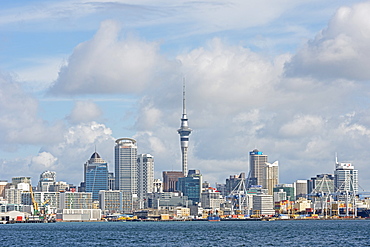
[{"x": 289, "y": 78}]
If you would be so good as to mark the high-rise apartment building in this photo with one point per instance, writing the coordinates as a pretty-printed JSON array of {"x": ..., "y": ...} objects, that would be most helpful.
[
  {"x": 184, "y": 133},
  {"x": 96, "y": 175},
  {"x": 257, "y": 161},
  {"x": 270, "y": 176},
  {"x": 145, "y": 177},
  {"x": 126, "y": 165},
  {"x": 47, "y": 180},
  {"x": 346, "y": 177}
]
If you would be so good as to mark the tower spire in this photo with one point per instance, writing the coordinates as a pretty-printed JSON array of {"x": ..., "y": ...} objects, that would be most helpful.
[
  {"x": 184, "y": 133},
  {"x": 183, "y": 98}
]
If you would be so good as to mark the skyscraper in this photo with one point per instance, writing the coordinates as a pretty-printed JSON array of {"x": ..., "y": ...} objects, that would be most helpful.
[
  {"x": 96, "y": 175},
  {"x": 125, "y": 157},
  {"x": 257, "y": 163},
  {"x": 346, "y": 177},
  {"x": 191, "y": 186},
  {"x": 270, "y": 176},
  {"x": 145, "y": 177},
  {"x": 184, "y": 133}
]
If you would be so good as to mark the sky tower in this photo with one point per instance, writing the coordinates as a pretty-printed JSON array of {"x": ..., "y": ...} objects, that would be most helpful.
[{"x": 184, "y": 133}]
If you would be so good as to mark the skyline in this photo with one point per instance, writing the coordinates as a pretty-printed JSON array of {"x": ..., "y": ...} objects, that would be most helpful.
[{"x": 288, "y": 78}]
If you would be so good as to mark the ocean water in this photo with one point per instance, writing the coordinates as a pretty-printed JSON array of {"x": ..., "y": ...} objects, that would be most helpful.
[{"x": 191, "y": 233}]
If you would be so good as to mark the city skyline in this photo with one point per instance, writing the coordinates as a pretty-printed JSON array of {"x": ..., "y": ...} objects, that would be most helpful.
[{"x": 287, "y": 77}]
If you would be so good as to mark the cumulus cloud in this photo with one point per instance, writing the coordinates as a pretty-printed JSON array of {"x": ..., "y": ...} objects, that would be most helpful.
[
  {"x": 107, "y": 64},
  {"x": 339, "y": 51},
  {"x": 20, "y": 123},
  {"x": 84, "y": 111},
  {"x": 43, "y": 161}
]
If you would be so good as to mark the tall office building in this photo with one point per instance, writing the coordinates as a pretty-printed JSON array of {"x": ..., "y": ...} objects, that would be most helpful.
[
  {"x": 257, "y": 161},
  {"x": 125, "y": 158},
  {"x": 322, "y": 183},
  {"x": 170, "y": 179},
  {"x": 145, "y": 177},
  {"x": 270, "y": 176},
  {"x": 184, "y": 133},
  {"x": 96, "y": 175},
  {"x": 232, "y": 182},
  {"x": 191, "y": 186},
  {"x": 346, "y": 177}
]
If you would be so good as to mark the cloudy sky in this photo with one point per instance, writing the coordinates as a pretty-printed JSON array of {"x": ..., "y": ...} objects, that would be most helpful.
[{"x": 290, "y": 78}]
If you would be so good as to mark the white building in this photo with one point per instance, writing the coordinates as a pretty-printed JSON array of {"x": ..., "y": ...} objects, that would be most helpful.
[
  {"x": 346, "y": 178},
  {"x": 75, "y": 200},
  {"x": 126, "y": 165},
  {"x": 300, "y": 188},
  {"x": 145, "y": 177},
  {"x": 263, "y": 204},
  {"x": 47, "y": 179},
  {"x": 211, "y": 199},
  {"x": 270, "y": 176}
]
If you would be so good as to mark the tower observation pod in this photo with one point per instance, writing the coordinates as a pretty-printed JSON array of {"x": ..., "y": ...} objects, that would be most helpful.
[{"x": 184, "y": 133}]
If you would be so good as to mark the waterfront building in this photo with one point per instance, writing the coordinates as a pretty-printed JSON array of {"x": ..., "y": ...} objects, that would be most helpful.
[
  {"x": 288, "y": 189},
  {"x": 301, "y": 205},
  {"x": 232, "y": 182},
  {"x": 145, "y": 177},
  {"x": 191, "y": 186},
  {"x": 346, "y": 178},
  {"x": 110, "y": 201},
  {"x": 126, "y": 165},
  {"x": 47, "y": 199},
  {"x": 47, "y": 180},
  {"x": 184, "y": 133},
  {"x": 322, "y": 184},
  {"x": 211, "y": 199},
  {"x": 300, "y": 188},
  {"x": 280, "y": 195},
  {"x": 168, "y": 200},
  {"x": 170, "y": 179},
  {"x": 263, "y": 205},
  {"x": 75, "y": 200},
  {"x": 257, "y": 161},
  {"x": 95, "y": 175},
  {"x": 270, "y": 176}
]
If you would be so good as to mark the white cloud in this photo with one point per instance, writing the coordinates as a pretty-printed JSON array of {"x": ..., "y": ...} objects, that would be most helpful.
[
  {"x": 19, "y": 122},
  {"x": 84, "y": 111},
  {"x": 302, "y": 126},
  {"x": 107, "y": 64},
  {"x": 339, "y": 51},
  {"x": 44, "y": 161}
]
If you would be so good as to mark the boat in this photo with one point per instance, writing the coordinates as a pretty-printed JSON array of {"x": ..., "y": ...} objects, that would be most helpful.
[{"x": 213, "y": 218}]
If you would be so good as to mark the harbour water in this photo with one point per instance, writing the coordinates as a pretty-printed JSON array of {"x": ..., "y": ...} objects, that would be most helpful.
[{"x": 190, "y": 233}]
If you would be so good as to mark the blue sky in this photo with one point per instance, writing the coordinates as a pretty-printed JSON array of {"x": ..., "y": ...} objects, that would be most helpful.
[{"x": 287, "y": 77}]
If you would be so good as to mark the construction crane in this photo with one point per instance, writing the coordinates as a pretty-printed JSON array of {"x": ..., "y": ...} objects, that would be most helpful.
[{"x": 34, "y": 203}]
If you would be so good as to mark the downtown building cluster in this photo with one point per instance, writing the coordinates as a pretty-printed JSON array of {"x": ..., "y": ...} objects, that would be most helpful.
[{"x": 132, "y": 190}]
